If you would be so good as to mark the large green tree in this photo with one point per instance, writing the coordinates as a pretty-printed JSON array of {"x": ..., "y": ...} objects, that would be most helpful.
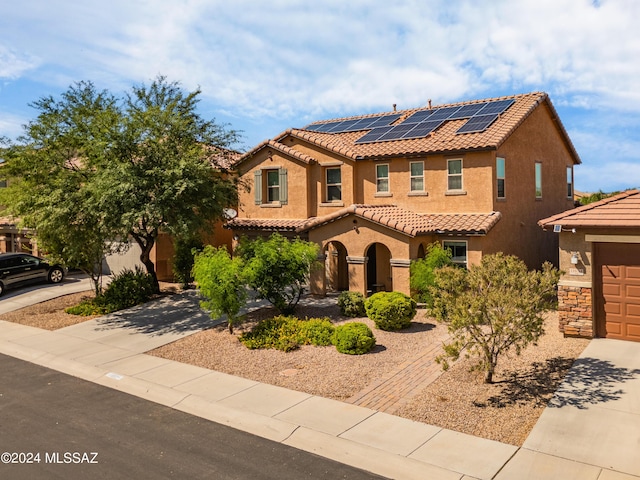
[
  {"x": 131, "y": 167},
  {"x": 494, "y": 308},
  {"x": 51, "y": 168}
]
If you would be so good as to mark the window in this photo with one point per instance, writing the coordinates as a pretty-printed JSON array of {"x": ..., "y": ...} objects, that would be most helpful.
[
  {"x": 500, "y": 177},
  {"x": 569, "y": 182},
  {"x": 382, "y": 178},
  {"x": 270, "y": 186},
  {"x": 273, "y": 186},
  {"x": 417, "y": 176},
  {"x": 454, "y": 174},
  {"x": 334, "y": 184},
  {"x": 458, "y": 252},
  {"x": 538, "y": 180}
]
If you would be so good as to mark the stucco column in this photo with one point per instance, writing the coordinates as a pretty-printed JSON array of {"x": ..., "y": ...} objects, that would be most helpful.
[
  {"x": 317, "y": 277},
  {"x": 400, "y": 275},
  {"x": 357, "y": 274}
]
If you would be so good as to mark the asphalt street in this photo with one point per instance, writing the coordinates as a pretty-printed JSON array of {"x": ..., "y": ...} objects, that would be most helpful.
[{"x": 57, "y": 426}]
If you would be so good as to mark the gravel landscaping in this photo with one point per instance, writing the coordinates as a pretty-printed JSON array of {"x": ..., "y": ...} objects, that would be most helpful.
[{"x": 504, "y": 411}]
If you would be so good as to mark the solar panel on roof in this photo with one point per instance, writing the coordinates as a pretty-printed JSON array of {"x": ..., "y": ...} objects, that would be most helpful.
[
  {"x": 374, "y": 134},
  {"x": 342, "y": 126},
  {"x": 398, "y": 131},
  {"x": 443, "y": 113},
  {"x": 498, "y": 107},
  {"x": 419, "y": 116},
  {"x": 479, "y": 123},
  {"x": 353, "y": 125},
  {"x": 423, "y": 129},
  {"x": 466, "y": 111}
]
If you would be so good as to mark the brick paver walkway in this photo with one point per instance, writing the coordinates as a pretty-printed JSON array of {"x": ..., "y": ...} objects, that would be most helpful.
[{"x": 398, "y": 387}]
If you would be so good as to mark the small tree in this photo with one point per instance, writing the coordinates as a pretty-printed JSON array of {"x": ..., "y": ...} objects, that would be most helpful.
[
  {"x": 423, "y": 272},
  {"x": 220, "y": 280},
  {"x": 278, "y": 269},
  {"x": 492, "y": 308}
]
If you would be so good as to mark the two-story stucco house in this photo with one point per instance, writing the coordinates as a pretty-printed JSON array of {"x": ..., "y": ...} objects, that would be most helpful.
[{"x": 373, "y": 191}]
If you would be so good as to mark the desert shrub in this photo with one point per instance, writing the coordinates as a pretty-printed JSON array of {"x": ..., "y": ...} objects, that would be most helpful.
[
  {"x": 86, "y": 308},
  {"x": 316, "y": 331},
  {"x": 351, "y": 304},
  {"x": 390, "y": 310},
  {"x": 353, "y": 338},
  {"x": 492, "y": 309},
  {"x": 278, "y": 268},
  {"x": 423, "y": 272},
  {"x": 288, "y": 333},
  {"x": 127, "y": 289},
  {"x": 221, "y": 281}
]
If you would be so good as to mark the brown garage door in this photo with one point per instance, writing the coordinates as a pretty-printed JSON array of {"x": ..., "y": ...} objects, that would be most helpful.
[{"x": 618, "y": 290}]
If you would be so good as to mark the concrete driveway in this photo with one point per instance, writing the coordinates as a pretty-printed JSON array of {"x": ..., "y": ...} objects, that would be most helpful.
[{"x": 21, "y": 297}]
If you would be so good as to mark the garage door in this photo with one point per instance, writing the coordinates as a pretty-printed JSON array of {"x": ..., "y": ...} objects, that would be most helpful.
[{"x": 618, "y": 286}]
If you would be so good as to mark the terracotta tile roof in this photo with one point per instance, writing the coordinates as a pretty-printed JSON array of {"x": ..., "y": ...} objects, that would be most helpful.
[
  {"x": 281, "y": 148},
  {"x": 391, "y": 216},
  {"x": 411, "y": 223},
  {"x": 620, "y": 211},
  {"x": 265, "y": 224},
  {"x": 442, "y": 140},
  {"x": 223, "y": 158}
]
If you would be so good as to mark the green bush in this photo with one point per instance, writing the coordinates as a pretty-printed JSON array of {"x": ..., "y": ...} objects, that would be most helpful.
[
  {"x": 316, "y": 331},
  {"x": 288, "y": 333},
  {"x": 390, "y": 310},
  {"x": 127, "y": 289},
  {"x": 351, "y": 304},
  {"x": 353, "y": 338},
  {"x": 183, "y": 259},
  {"x": 86, "y": 308},
  {"x": 423, "y": 272}
]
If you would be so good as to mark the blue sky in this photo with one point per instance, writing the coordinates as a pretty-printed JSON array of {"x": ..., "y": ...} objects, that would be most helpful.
[{"x": 264, "y": 67}]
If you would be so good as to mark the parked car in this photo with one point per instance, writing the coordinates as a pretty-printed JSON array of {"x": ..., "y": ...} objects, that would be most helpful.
[{"x": 21, "y": 268}]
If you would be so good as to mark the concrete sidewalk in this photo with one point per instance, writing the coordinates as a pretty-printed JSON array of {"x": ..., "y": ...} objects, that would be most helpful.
[{"x": 576, "y": 437}]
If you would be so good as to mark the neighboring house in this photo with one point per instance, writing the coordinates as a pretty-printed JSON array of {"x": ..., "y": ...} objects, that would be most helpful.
[
  {"x": 15, "y": 239},
  {"x": 599, "y": 292},
  {"x": 374, "y": 191}
]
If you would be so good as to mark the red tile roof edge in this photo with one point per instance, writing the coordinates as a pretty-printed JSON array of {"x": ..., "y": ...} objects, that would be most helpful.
[
  {"x": 558, "y": 218},
  {"x": 277, "y": 146}
]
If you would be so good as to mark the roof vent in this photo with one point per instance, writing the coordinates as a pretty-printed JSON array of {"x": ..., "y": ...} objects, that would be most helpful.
[{"x": 429, "y": 104}]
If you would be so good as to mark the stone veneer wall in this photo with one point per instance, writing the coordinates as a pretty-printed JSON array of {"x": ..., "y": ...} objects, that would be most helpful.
[{"x": 575, "y": 311}]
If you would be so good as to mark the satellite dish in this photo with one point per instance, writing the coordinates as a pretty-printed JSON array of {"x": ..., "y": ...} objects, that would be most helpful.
[{"x": 229, "y": 213}]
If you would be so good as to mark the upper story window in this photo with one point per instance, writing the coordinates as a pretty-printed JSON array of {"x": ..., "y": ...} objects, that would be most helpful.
[
  {"x": 569, "y": 182},
  {"x": 454, "y": 174},
  {"x": 417, "y": 176},
  {"x": 270, "y": 186},
  {"x": 273, "y": 186},
  {"x": 334, "y": 184},
  {"x": 500, "y": 177},
  {"x": 538, "y": 180},
  {"x": 382, "y": 178}
]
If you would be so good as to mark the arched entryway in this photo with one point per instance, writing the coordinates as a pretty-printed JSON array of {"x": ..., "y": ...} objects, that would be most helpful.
[
  {"x": 379, "y": 268},
  {"x": 336, "y": 267}
]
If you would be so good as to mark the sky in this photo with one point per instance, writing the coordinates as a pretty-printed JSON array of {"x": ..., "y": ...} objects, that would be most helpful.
[{"x": 265, "y": 66}]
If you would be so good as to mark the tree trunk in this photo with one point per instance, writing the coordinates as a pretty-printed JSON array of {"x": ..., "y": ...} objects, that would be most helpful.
[
  {"x": 146, "y": 245},
  {"x": 488, "y": 374}
]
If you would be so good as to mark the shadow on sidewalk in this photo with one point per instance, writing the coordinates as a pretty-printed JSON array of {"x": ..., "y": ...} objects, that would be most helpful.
[
  {"x": 178, "y": 313},
  {"x": 591, "y": 381}
]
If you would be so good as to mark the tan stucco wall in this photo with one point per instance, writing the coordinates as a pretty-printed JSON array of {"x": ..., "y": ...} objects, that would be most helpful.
[
  {"x": 536, "y": 140},
  {"x": 299, "y": 191}
]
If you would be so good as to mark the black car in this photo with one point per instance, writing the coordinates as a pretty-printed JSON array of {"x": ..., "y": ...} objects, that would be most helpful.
[{"x": 20, "y": 268}]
